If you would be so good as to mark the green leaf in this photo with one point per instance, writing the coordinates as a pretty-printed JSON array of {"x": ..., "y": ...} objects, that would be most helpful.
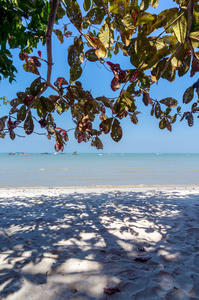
[
  {"x": 168, "y": 125},
  {"x": 35, "y": 87},
  {"x": 163, "y": 124},
  {"x": 184, "y": 68},
  {"x": 75, "y": 52},
  {"x": 99, "y": 47},
  {"x": 15, "y": 102},
  {"x": 116, "y": 131},
  {"x": 105, "y": 101},
  {"x": 30, "y": 67},
  {"x": 158, "y": 111},
  {"x": 169, "y": 101},
  {"x": 87, "y": 5},
  {"x": 128, "y": 102},
  {"x": 180, "y": 29},
  {"x": 90, "y": 55},
  {"x": 22, "y": 96},
  {"x": 143, "y": 81},
  {"x": 190, "y": 120},
  {"x": 188, "y": 95},
  {"x": 99, "y": 3},
  {"x": 28, "y": 124},
  {"x": 154, "y": 3},
  {"x": 144, "y": 5},
  {"x": 157, "y": 69},
  {"x": 67, "y": 33},
  {"x": 96, "y": 142},
  {"x": 105, "y": 126},
  {"x": 194, "y": 36},
  {"x": 119, "y": 6},
  {"x": 95, "y": 15},
  {"x": 169, "y": 73},
  {"x": 2, "y": 135},
  {"x": 12, "y": 135},
  {"x": 75, "y": 72},
  {"x": 134, "y": 118},
  {"x": 74, "y": 13},
  {"x": 21, "y": 115},
  {"x": 145, "y": 18},
  {"x": 2, "y": 123},
  {"x": 14, "y": 110},
  {"x": 60, "y": 12},
  {"x": 59, "y": 35}
]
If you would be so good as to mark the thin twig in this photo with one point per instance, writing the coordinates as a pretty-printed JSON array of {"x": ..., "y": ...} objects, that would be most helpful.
[{"x": 171, "y": 57}]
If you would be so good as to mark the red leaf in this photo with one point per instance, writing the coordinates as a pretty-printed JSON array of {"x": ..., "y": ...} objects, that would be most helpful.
[
  {"x": 39, "y": 53},
  {"x": 60, "y": 81},
  {"x": 28, "y": 99},
  {"x": 134, "y": 77},
  {"x": 115, "y": 68},
  {"x": 111, "y": 291},
  {"x": 194, "y": 67},
  {"x": 120, "y": 75},
  {"x": 187, "y": 52},
  {"x": 149, "y": 99},
  {"x": 80, "y": 138},
  {"x": 59, "y": 147},
  {"x": 115, "y": 85},
  {"x": 134, "y": 16},
  {"x": 23, "y": 56}
]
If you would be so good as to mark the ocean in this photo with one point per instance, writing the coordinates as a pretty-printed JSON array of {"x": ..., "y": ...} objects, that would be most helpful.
[{"x": 66, "y": 170}]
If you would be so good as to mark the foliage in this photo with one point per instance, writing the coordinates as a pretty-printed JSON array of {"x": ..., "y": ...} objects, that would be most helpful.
[{"x": 99, "y": 30}]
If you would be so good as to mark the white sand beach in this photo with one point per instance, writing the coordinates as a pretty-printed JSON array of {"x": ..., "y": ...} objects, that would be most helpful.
[{"x": 99, "y": 243}]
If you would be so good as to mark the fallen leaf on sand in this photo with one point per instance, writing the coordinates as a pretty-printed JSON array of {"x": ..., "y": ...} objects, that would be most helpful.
[
  {"x": 111, "y": 290},
  {"x": 143, "y": 258},
  {"x": 141, "y": 248}
]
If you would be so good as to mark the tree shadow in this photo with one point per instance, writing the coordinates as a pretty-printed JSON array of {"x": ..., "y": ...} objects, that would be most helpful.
[{"x": 73, "y": 246}]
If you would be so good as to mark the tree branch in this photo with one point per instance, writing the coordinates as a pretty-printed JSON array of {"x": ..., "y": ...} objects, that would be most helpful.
[
  {"x": 49, "y": 29},
  {"x": 53, "y": 11}
]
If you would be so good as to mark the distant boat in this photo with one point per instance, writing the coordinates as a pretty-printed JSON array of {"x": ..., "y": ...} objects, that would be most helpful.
[
  {"x": 11, "y": 153},
  {"x": 74, "y": 153},
  {"x": 101, "y": 154}
]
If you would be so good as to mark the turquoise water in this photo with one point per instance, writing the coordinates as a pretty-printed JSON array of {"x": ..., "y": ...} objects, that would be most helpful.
[{"x": 94, "y": 169}]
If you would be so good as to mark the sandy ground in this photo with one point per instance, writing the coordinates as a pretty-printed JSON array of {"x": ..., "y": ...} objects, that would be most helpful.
[{"x": 100, "y": 243}]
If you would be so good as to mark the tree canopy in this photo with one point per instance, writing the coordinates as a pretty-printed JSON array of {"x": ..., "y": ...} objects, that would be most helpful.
[{"x": 162, "y": 45}]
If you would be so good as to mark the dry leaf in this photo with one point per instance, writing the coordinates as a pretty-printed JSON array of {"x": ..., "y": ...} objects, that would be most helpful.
[
  {"x": 142, "y": 258},
  {"x": 111, "y": 290}
]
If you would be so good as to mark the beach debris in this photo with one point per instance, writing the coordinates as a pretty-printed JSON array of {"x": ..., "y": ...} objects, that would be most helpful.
[
  {"x": 142, "y": 258},
  {"x": 141, "y": 248},
  {"x": 111, "y": 290}
]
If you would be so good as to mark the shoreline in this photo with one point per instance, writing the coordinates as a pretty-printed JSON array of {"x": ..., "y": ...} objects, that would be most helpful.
[
  {"x": 61, "y": 190},
  {"x": 104, "y": 186}
]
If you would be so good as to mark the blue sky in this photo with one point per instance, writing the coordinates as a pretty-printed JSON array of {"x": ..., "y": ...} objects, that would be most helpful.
[{"x": 145, "y": 137}]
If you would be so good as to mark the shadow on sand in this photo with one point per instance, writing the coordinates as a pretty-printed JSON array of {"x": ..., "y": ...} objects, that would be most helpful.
[{"x": 73, "y": 246}]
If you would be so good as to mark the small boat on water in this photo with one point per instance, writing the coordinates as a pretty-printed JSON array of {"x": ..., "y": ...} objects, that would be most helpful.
[{"x": 74, "y": 153}]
